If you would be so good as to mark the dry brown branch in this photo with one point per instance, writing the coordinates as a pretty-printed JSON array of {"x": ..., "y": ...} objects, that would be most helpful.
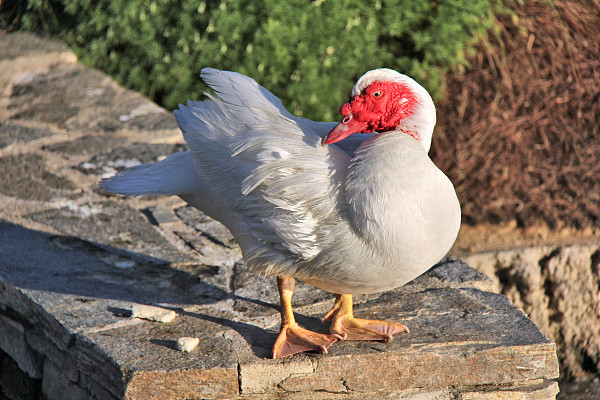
[{"x": 520, "y": 132}]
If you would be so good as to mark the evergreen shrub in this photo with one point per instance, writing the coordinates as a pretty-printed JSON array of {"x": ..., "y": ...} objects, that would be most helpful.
[{"x": 309, "y": 53}]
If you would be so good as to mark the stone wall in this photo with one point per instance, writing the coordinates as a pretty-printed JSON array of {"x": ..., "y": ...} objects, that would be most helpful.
[{"x": 559, "y": 289}]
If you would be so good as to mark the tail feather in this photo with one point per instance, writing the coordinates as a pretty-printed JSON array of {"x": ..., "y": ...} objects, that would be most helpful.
[{"x": 175, "y": 175}]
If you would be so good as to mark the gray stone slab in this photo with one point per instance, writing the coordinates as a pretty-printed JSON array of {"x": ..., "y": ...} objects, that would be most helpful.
[
  {"x": 91, "y": 101},
  {"x": 13, "y": 132},
  {"x": 12, "y": 340},
  {"x": 457, "y": 330},
  {"x": 111, "y": 224},
  {"x": 77, "y": 275},
  {"x": 49, "y": 87},
  {"x": 125, "y": 157},
  {"x": 87, "y": 145},
  {"x": 25, "y": 176},
  {"x": 56, "y": 386},
  {"x": 209, "y": 228}
]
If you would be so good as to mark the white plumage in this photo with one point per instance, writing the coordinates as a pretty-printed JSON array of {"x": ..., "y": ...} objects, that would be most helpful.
[
  {"x": 366, "y": 214},
  {"x": 346, "y": 223}
]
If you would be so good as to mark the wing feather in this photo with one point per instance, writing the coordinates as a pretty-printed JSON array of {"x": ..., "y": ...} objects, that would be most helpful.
[{"x": 267, "y": 167}]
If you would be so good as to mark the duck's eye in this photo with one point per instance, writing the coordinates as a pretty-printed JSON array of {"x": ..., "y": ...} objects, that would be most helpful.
[{"x": 377, "y": 93}]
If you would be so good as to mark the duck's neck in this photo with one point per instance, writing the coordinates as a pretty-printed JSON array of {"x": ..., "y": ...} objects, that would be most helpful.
[{"x": 420, "y": 124}]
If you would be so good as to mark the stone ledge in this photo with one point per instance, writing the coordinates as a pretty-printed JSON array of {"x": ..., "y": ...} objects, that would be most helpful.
[
  {"x": 74, "y": 260},
  {"x": 75, "y": 332}
]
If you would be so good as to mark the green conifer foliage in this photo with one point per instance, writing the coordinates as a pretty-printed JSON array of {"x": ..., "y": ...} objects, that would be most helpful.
[{"x": 309, "y": 53}]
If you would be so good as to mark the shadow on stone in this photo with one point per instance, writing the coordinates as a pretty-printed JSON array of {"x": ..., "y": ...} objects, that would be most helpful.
[
  {"x": 119, "y": 312},
  {"x": 107, "y": 280},
  {"x": 169, "y": 344},
  {"x": 69, "y": 265}
]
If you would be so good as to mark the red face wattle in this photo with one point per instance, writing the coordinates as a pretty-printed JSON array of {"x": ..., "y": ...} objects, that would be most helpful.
[{"x": 379, "y": 107}]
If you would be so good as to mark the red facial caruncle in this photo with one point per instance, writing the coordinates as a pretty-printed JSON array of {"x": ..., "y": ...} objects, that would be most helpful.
[{"x": 379, "y": 107}]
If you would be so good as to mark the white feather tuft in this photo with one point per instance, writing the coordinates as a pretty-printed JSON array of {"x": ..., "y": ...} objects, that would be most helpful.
[{"x": 175, "y": 175}]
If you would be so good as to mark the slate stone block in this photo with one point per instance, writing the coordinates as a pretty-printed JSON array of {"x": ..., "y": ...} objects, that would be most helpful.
[
  {"x": 26, "y": 177},
  {"x": 15, "y": 384},
  {"x": 14, "y": 132}
]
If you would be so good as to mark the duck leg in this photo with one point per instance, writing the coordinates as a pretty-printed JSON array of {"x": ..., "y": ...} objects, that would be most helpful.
[
  {"x": 292, "y": 338},
  {"x": 345, "y": 325}
]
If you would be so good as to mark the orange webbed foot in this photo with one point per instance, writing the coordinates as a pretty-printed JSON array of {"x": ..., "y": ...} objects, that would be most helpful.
[
  {"x": 349, "y": 328},
  {"x": 344, "y": 325},
  {"x": 293, "y": 339}
]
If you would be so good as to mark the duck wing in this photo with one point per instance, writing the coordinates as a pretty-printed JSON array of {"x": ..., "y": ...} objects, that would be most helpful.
[{"x": 267, "y": 169}]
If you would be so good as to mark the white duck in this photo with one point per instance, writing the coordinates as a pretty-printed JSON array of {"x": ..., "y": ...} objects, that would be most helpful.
[{"x": 366, "y": 215}]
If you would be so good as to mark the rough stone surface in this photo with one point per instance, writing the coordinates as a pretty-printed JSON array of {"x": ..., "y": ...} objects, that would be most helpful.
[
  {"x": 26, "y": 177},
  {"x": 584, "y": 390},
  {"x": 55, "y": 384},
  {"x": 12, "y": 341},
  {"x": 15, "y": 133},
  {"x": 75, "y": 260},
  {"x": 558, "y": 287}
]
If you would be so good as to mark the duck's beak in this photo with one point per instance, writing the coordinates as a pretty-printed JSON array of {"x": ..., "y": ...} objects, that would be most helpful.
[{"x": 347, "y": 127}]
